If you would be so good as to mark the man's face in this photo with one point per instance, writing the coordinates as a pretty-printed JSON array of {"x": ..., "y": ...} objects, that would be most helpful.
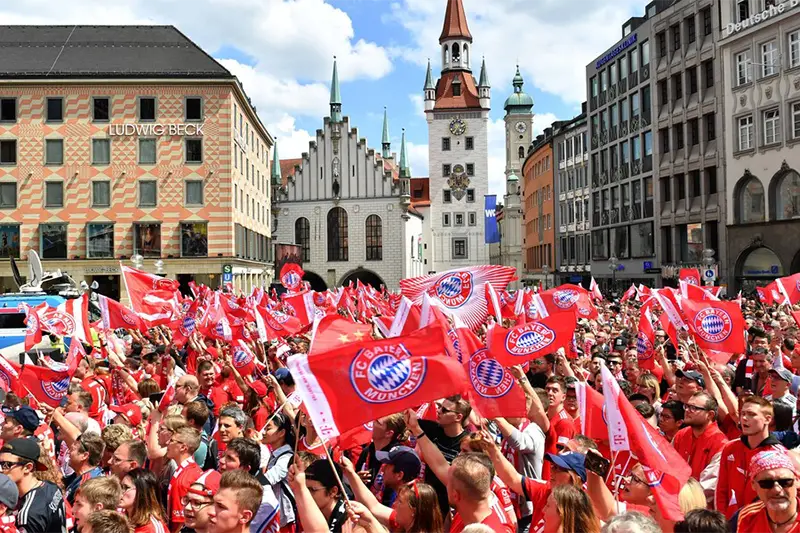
[
  {"x": 197, "y": 511},
  {"x": 685, "y": 387},
  {"x": 446, "y": 413},
  {"x": 120, "y": 462},
  {"x": 539, "y": 366},
  {"x": 776, "y": 497},
  {"x": 13, "y": 467},
  {"x": 10, "y": 429},
  {"x": 77, "y": 454},
  {"x": 779, "y": 387},
  {"x": 228, "y": 429},
  {"x": 632, "y": 372},
  {"x": 207, "y": 377},
  {"x": 760, "y": 342},
  {"x": 554, "y": 394},
  {"x": 667, "y": 422},
  {"x": 72, "y": 406},
  {"x": 571, "y": 401},
  {"x": 175, "y": 448},
  {"x": 753, "y": 419},
  {"x": 229, "y": 461},
  {"x": 391, "y": 477},
  {"x": 379, "y": 429},
  {"x": 81, "y": 510},
  {"x": 182, "y": 392},
  {"x": 695, "y": 413},
  {"x": 760, "y": 363}
]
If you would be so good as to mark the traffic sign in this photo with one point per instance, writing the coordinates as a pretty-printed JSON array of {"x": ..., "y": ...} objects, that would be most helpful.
[
  {"x": 227, "y": 269},
  {"x": 227, "y": 277},
  {"x": 709, "y": 274}
]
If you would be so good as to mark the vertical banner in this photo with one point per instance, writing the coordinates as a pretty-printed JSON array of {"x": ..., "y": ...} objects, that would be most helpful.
[{"x": 490, "y": 220}]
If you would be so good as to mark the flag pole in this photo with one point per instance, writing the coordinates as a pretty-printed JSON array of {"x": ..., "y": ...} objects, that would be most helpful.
[
  {"x": 278, "y": 410},
  {"x": 335, "y": 473}
]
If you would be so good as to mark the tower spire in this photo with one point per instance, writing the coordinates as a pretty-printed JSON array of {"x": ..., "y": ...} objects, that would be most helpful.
[
  {"x": 405, "y": 172},
  {"x": 484, "y": 81},
  {"x": 429, "y": 78},
  {"x": 455, "y": 23},
  {"x": 336, "y": 96},
  {"x": 386, "y": 143},
  {"x": 276, "y": 166}
]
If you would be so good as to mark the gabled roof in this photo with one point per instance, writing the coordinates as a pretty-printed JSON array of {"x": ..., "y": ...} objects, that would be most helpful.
[
  {"x": 103, "y": 51},
  {"x": 469, "y": 92},
  {"x": 420, "y": 192},
  {"x": 287, "y": 168},
  {"x": 455, "y": 22}
]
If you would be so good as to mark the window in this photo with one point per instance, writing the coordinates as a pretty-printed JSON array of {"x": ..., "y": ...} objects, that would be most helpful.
[
  {"x": 445, "y": 170},
  {"x": 694, "y": 132},
  {"x": 645, "y": 53},
  {"x": 458, "y": 219},
  {"x": 621, "y": 242},
  {"x": 54, "y": 152},
  {"x": 661, "y": 41},
  {"x": 194, "y": 150},
  {"x": 374, "y": 238},
  {"x": 711, "y": 126},
  {"x": 604, "y": 81},
  {"x": 470, "y": 195},
  {"x": 447, "y": 196},
  {"x": 473, "y": 220},
  {"x": 691, "y": 76},
  {"x": 623, "y": 67},
  {"x": 691, "y": 30},
  {"x": 302, "y": 237},
  {"x": 648, "y": 143},
  {"x": 469, "y": 143},
  {"x": 707, "y": 29},
  {"x": 470, "y": 169},
  {"x": 666, "y": 190},
  {"x": 445, "y": 144},
  {"x": 8, "y": 152},
  {"x": 743, "y": 10},
  {"x": 788, "y": 196},
  {"x": 676, "y": 37},
  {"x": 678, "y": 136},
  {"x": 194, "y": 239},
  {"x": 677, "y": 86},
  {"x": 147, "y": 108},
  {"x": 769, "y": 59},
  {"x": 148, "y": 191},
  {"x": 99, "y": 240},
  {"x": 743, "y": 73},
  {"x": 635, "y": 104},
  {"x": 745, "y": 133},
  {"x": 634, "y": 58},
  {"x": 750, "y": 201},
  {"x": 708, "y": 72},
  {"x": 101, "y": 193},
  {"x": 663, "y": 92},
  {"x": 521, "y": 152},
  {"x": 694, "y": 179},
  {"x": 600, "y": 244},
  {"x": 101, "y": 109},
  {"x": 147, "y": 151},
  {"x": 594, "y": 86},
  {"x": 796, "y": 120},
  {"x": 53, "y": 241},
  {"x": 8, "y": 196},
  {"x": 664, "y": 135},
  {"x": 456, "y": 88},
  {"x": 711, "y": 180},
  {"x": 147, "y": 239},
  {"x": 794, "y": 49},
  {"x": 642, "y": 242},
  {"x": 460, "y": 249},
  {"x": 194, "y": 192},
  {"x": 8, "y": 109},
  {"x": 337, "y": 235},
  {"x": 101, "y": 151},
  {"x": 55, "y": 109},
  {"x": 54, "y": 194},
  {"x": 772, "y": 127},
  {"x": 446, "y": 219},
  {"x": 194, "y": 108}
]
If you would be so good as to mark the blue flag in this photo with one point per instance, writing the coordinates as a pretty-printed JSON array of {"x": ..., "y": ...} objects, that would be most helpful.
[{"x": 490, "y": 220}]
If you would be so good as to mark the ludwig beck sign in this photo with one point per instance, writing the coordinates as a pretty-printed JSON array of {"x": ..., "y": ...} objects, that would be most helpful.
[{"x": 156, "y": 130}]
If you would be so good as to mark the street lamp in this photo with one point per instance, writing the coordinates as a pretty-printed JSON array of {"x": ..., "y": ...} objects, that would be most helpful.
[
  {"x": 546, "y": 272},
  {"x": 612, "y": 266},
  {"x": 708, "y": 261}
]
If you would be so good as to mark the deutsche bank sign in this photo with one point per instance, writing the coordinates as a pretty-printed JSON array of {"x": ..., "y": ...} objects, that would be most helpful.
[
  {"x": 156, "y": 130},
  {"x": 756, "y": 18}
]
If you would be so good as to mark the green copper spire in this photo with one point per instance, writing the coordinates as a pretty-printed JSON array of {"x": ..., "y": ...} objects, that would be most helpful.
[
  {"x": 484, "y": 82},
  {"x": 405, "y": 172},
  {"x": 385, "y": 142},
  {"x": 429, "y": 78},
  {"x": 276, "y": 166},
  {"x": 336, "y": 95},
  {"x": 518, "y": 81}
]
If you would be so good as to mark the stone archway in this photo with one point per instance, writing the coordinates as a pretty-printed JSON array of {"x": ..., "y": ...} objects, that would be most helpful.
[
  {"x": 317, "y": 283},
  {"x": 795, "y": 266},
  {"x": 367, "y": 277},
  {"x": 757, "y": 265}
]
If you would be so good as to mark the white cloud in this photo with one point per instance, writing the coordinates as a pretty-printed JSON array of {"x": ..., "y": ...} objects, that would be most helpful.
[
  {"x": 542, "y": 122},
  {"x": 418, "y": 159},
  {"x": 419, "y": 104}
]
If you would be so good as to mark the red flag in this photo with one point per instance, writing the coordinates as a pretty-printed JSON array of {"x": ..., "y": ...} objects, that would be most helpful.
[
  {"x": 152, "y": 296},
  {"x": 696, "y": 292},
  {"x": 532, "y": 340},
  {"x": 764, "y": 295},
  {"x": 243, "y": 358},
  {"x": 461, "y": 291},
  {"x": 114, "y": 315},
  {"x": 215, "y": 323},
  {"x": 789, "y": 287},
  {"x": 594, "y": 289},
  {"x": 716, "y": 325},
  {"x": 33, "y": 326},
  {"x": 274, "y": 324},
  {"x": 358, "y": 436},
  {"x": 334, "y": 331},
  {"x": 630, "y": 293},
  {"x": 184, "y": 326},
  {"x": 301, "y": 305},
  {"x": 9, "y": 377},
  {"x": 494, "y": 391},
  {"x": 46, "y": 385},
  {"x": 569, "y": 298},
  {"x": 592, "y": 412},
  {"x": 690, "y": 276},
  {"x": 406, "y": 319},
  {"x": 291, "y": 276},
  {"x": 646, "y": 341},
  {"x": 666, "y": 470},
  {"x": 166, "y": 399},
  {"x": 363, "y": 381}
]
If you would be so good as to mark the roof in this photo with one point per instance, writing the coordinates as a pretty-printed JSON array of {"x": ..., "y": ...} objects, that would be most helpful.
[
  {"x": 469, "y": 92},
  {"x": 287, "y": 168},
  {"x": 103, "y": 51},
  {"x": 420, "y": 192},
  {"x": 455, "y": 22}
]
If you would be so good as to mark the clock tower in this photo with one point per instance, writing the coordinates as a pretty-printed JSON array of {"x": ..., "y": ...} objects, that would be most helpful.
[{"x": 457, "y": 111}]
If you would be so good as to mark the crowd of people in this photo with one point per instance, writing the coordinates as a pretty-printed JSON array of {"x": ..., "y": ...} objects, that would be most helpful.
[{"x": 152, "y": 437}]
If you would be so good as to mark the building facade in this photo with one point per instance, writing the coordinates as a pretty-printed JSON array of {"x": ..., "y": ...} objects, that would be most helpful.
[
  {"x": 571, "y": 186},
  {"x": 688, "y": 153},
  {"x": 457, "y": 110},
  {"x": 106, "y": 154},
  {"x": 348, "y": 206},
  {"x": 760, "y": 50},
  {"x": 621, "y": 158},
  {"x": 539, "y": 212}
]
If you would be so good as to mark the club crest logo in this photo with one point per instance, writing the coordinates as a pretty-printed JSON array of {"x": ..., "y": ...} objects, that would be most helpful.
[
  {"x": 565, "y": 298},
  {"x": 5, "y": 380},
  {"x": 319, "y": 299},
  {"x": 653, "y": 477},
  {"x": 529, "y": 339},
  {"x": 245, "y": 333},
  {"x": 187, "y": 324},
  {"x": 644, "y": 348},
  {"x": 220, "y": 328},
  {"x": 713, "y": 325},
  {"x": 128, "y": 317},
  {"x": 532, "y": 312},
  {"x": 56, "y": 389},
  {"x": 368, "y": 426},
  {"x": 451, "y": 333},
  {"x": 242, "y": 357},
  {"x": 488, "y": 377},
  {"x": 289, "y": 308},
  {"x": 33, "y": 324},
  {"x": 319, "y": 313},
  {"x": 386, "y": 373},
  {"x": 59, "y": 323},
  {"x": 291, "y": 280},
  {"x": 233, "y": 305},
  {"x": 163, "y": 284},
  {"x": 691, "y": 280},
  {"x": 454, "y": 289}
]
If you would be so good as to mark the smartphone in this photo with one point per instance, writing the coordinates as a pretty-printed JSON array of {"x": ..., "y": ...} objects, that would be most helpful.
[
  {"x": 155, "y": 398},
  {"x": 597, "y": 463}
]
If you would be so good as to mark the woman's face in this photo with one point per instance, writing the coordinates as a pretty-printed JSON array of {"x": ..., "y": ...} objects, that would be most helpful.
[
  {"x": 647, "y": 391},
  {"x": 552, "y": 519},
  {"x": 128, "y": 497},
  {"x": 405, "y": 514},
  {"x": 273, "y": 436}
]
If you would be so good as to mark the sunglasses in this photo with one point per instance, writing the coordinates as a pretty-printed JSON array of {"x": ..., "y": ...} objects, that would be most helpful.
[
  {"x": 769, "y": 483},
  {"x": 8, "y": 465},
  {"x": 444, "y": 410}
]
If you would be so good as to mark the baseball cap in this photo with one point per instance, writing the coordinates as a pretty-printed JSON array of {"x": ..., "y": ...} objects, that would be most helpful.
[
  {"x": 403, "y": 459},
  {"x": 25, "y": 415},
  {"x": 620, "y": 344},
  {"x": 572, "y": 461},
  {"x": 782, "y": 373},
  {"x": 692, "y": 375},
  {"x": 259, "y": 387},
  {"x": 24, "y": 449},
  {"x": 282, "y": 374},
  {"x": 206, "y": 485},
  {"x": 131, "y": 411},
  {"x": 9, "y": 494}
]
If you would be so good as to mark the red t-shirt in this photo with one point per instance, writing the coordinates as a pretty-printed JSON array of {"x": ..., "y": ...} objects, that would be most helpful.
[
  {"x": 698, "y": 451},
  {"x": 537, "y": 493},
  {"x": 562, "y": 428},
  {"x": 216, "y": 395},
  {"x": 187, "y": 473},
  {"x": 496, "y": 520},
  {"x": 154, "y": 526},
  {"x": 504, "y": 502},
  {"x": 753, "y": 519}
]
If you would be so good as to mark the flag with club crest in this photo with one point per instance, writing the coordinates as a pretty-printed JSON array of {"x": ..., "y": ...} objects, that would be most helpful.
[
  {"x": 716, "y": 325},
  {"x": 114, "y": 315},
  {"x": 153, "y": 297},
  {"x": 531, "y": 340},
  {"x": 646, "y": 341},
  {"x": 569, "y": 297}
]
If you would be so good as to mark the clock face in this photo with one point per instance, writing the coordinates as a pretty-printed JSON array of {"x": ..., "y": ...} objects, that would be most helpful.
[
  {"x": 458, "y": 126},
  {"x": 521, "y": 127}
]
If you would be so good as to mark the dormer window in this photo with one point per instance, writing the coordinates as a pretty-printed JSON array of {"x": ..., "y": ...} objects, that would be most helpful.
[{"x": 456, "y": 87}]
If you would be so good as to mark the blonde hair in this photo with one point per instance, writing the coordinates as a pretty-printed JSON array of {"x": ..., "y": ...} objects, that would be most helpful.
[
  {"x": 692, "y": 496},
  {"x": 651, "y": 382}
]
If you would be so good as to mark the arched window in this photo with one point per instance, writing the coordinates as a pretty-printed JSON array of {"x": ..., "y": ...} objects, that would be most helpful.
[
  {"x": 412, "y": 248},
  {"x": 750, "y": 201},
  {"x": 337, "y": 234},
  {"x": 374, "y": 238},
  {"x": 787, "y": 199},
  {"x": 456, "y": 53},
  {"x": 466, "y": 55},
  {"x": 302, "y": 237},
  {"x": 445, "y": 55},
  {"x": 522, "y": 152}
]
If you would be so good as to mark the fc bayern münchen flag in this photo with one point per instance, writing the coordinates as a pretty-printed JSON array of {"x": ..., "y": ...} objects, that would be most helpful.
[{"x": 490, "y": 220}]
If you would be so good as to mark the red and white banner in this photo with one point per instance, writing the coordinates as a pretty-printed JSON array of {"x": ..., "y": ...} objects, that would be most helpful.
[
  {"x": 569, "y": 297},
  {"x": 532, "y": 340},
  {"x": 291, "y": 276},
  {"x": 646, "y": 341},
  {"x": 114, "y": 315},
  {"x": 789, "y": 287},
  {"x": 153, "y": 297},
  {"x": 716, "y": 325},
  {"x": 690, "y": 276}
]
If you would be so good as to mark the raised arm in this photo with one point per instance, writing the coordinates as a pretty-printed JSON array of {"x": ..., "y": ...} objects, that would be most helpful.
[{"x": 363, "y": 494}]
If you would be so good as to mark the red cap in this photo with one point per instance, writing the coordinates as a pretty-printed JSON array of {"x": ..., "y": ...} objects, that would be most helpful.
[
  {"x": 259, "y": 387},
  {"x": 130, "y": 411},
  {"x": 209, "y": 482}
]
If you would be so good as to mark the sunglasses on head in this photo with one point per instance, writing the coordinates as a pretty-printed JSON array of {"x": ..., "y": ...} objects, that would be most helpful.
[{"x": 769, "y": 483}]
